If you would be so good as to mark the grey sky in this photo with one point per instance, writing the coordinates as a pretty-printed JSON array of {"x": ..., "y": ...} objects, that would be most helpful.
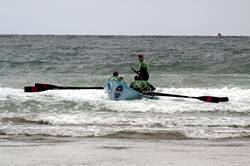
[{"x": 125, "y": 17}]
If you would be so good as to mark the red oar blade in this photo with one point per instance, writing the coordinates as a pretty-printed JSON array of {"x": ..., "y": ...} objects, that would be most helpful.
[
  {"x": 33, "y": 89},
  {"x": 212, "y": 99},
  {"x": 45, "y": 86},
  {"x": 39, "y": 87}
]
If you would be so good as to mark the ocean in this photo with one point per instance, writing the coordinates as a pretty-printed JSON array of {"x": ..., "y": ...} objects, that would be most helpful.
[{"x": 183, "y": 65}]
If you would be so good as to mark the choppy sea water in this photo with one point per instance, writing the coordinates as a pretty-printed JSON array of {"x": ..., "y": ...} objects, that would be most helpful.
[{"x": 194, "y": 66}]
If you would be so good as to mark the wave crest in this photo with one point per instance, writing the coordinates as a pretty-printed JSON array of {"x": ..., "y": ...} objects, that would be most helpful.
[
  {"x": 155, "y": 135},
  {"x": 23, "y": 120}
]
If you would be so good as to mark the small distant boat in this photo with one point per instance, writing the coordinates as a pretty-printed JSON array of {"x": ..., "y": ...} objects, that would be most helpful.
[{"x": 118, "y": 90}]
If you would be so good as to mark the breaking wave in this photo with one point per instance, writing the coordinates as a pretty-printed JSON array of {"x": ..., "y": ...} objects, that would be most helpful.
[{"x": 156, "y": 135}]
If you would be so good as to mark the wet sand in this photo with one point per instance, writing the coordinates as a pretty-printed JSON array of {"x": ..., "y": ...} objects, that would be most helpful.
[{"x": 121, "y": 152}]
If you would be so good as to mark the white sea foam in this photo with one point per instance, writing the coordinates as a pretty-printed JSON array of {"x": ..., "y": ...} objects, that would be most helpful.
[
  {"x": 239, "y": 99},
  {"x": 89, "y": 112}
]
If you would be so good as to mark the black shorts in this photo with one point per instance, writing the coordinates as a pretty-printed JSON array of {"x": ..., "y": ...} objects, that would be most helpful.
[{"x": 144, "y": 77}]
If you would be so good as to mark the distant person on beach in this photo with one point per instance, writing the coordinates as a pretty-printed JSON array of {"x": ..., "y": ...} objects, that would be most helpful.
[{"x": 219, "y": 35}]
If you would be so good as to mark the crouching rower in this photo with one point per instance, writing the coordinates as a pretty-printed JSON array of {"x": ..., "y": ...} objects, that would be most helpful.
[{"x": 141, "y": 85}]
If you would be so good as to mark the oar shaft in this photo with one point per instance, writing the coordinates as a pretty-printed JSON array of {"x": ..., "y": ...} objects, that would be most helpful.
[
  {"x": 50, "y": 87},
  {"x": 210, "y": 99},
  {"x": 134, "y": 70},
  {"x": 43, "y": 87},
  {"x": 168, "y": 95},
  {"x": 67, "y": 87}
]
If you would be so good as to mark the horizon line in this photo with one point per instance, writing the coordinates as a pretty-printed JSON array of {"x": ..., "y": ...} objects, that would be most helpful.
[{"x": 132, "y": 35}]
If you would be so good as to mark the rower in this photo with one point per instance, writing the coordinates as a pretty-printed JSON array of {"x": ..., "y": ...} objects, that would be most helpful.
[
  {"x": 122, "y": 80},
  {"x": 114, "y": 77},
  {"x": 141, "y": 85},
  {"x": 143, "y": 71}
]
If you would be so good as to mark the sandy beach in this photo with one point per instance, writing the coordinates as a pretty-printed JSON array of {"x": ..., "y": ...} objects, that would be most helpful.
[{"x": 107, "y": 152}]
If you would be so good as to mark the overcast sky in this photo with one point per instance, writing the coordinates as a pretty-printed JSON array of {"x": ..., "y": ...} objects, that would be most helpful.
[{"x": 125, "y": 17}]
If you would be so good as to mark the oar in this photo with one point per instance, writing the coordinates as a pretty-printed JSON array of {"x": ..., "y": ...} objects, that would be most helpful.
[
  {"x": 135, "y": 71},
  {"x": 43, "y": 87},
  {"x": 210, "y": 99}
]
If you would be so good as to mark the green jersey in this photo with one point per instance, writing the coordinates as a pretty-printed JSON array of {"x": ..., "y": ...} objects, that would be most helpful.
[
  {"x": 143, "y": 72},
  {"x": 114, "y": 78},
  {"x": 143, "y": 68},
  {"x": 140, "y": 85}
]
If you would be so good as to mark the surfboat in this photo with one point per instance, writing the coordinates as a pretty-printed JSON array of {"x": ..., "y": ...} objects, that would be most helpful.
[{"x": 118, "y": 90}]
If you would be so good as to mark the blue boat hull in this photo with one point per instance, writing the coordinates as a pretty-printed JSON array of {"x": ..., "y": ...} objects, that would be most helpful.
[{"x": 118, "y": 90}]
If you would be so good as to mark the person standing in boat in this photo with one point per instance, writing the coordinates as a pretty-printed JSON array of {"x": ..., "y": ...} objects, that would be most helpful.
[
  {"x": 141, "y": 81},
  {"x": 143, "y": 71}
]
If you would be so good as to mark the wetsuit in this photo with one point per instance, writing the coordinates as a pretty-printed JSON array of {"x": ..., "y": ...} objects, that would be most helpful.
[
  {"x": 143, "y": 72},
  {"x": 114, "y": 78},
  {"x": 141, "y": 86}
]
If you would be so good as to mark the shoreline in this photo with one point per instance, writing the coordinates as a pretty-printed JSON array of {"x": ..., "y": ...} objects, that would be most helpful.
[{"x": 104, "y": 151}]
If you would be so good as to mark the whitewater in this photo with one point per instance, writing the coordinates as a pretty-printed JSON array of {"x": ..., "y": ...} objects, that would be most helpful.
[{"x": 193, "y": 66}]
